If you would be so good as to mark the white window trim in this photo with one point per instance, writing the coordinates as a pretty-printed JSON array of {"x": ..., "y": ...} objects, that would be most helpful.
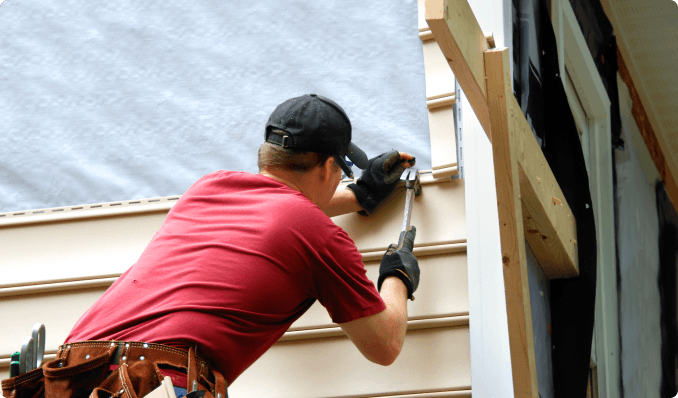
[
  {"x": 575, "y": 59},
  {"x": 580, "y": 117}
]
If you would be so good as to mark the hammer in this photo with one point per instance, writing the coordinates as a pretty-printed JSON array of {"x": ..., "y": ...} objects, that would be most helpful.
[{"x": 413, "y": 186}]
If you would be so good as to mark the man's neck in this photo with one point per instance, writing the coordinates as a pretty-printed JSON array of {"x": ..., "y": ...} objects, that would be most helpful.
[
  {"x": 283, "y": 178},
  {"x": 311, "y": 183}
]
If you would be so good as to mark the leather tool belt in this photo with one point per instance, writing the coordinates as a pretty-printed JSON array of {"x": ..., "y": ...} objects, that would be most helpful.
[{"x": 117, "y": 369}]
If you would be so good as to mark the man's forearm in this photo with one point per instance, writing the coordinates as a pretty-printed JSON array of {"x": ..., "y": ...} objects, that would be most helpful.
[
  {"x": 394, "y": 294},
  {"x": 380, "y": 337},
  {"x": 343, "y": 202}
]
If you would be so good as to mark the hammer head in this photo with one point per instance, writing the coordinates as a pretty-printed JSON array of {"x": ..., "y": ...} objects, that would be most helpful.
[{"x": 412, "y": 181}]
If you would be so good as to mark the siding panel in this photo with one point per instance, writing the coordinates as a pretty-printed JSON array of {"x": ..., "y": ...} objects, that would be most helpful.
[
  {"x": 57, "y": 310},
  {"x": 442, "y": 291},
  {"x": 445, "y": 200},
  {"x": 87, "y": 248},
  {"x": 74, "y": 249},
  {"x": 431, "y": 360}
]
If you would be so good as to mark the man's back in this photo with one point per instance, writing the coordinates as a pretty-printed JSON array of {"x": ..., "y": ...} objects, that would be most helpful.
[{"x": 239, "y": 258}]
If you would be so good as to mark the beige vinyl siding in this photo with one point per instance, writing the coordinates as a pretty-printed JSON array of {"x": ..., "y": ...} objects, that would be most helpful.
[
  {"x": 440, "y": 98},
  {"x": 59, "y": 309},
  {"x": 73, "y": 249},
  {"x": 431, "y": 360}
]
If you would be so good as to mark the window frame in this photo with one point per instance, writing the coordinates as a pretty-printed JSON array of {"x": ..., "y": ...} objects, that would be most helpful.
[{"x": 576, "y": 63}]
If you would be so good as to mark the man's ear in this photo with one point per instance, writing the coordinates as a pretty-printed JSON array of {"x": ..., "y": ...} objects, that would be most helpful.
[{"x": 327, "y": 168}]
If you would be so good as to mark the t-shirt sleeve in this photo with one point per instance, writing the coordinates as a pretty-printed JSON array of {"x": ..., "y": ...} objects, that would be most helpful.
[{"x": 340, "y": 282}]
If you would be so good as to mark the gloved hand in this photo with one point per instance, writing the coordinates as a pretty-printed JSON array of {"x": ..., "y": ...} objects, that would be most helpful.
[
  {"x": 401, "y": 263},
  {"x": 378, "y": 180}
]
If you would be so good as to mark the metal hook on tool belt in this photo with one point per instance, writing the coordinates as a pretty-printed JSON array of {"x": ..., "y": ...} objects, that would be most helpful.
[{"x": 33, "y": 349}]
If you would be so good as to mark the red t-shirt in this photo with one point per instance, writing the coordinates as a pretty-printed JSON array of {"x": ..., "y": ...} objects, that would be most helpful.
[{"x": 238, "y": 259}]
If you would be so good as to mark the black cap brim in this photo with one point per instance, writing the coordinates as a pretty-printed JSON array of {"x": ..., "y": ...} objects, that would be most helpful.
[
  {"x": 356, "y": 155},
  {"x": 344, "y": 167}
]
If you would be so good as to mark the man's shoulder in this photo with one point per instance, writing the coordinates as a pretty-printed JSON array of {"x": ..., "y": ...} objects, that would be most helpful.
[
  {"x": 283, "y": 206},
  {"x": 224, "y": 181},
  {"x": 301, "y": 212},
  {"x": 226, "y": 174}
]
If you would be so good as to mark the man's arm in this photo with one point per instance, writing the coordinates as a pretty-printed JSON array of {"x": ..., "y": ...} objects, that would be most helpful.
[
  {"x": 380, "y": 337},
  {"x": 345, "y": 201}
]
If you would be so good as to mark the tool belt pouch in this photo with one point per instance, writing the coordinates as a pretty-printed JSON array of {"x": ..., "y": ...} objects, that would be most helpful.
[
  {"x": 130, "y": 381},
  {"x": 28, "y": 385},
  {"x": 71, "y": 377}
]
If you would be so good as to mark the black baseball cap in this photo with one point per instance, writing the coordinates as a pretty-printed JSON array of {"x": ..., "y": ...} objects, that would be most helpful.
[{"x": 314, "y": 123}]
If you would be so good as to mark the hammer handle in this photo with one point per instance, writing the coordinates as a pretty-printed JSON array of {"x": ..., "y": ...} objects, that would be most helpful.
[
  {"x": 409, "y": 201},
  {"x": 401, "y": 240}
]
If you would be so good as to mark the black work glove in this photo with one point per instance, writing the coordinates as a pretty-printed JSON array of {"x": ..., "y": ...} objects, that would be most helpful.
[
  {"x": 401, "y": 263},
  {"x": 378, "y": 180}
]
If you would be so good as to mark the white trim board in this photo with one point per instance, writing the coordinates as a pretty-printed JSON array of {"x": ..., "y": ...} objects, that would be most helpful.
[
  {"x": 491, "y": 370},
  {"x": 577, "y": 61},
  {"x": 490, "y": 350}
]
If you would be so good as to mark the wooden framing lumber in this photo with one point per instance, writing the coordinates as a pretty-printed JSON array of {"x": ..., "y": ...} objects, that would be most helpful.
[
  {"x": 506, "y": 150},
  {"x": 489, "y": 36},
  {"x": 549, "y": 225},
  {"x": 463, "y": 42},
  {"x": 531, "y": 204}
]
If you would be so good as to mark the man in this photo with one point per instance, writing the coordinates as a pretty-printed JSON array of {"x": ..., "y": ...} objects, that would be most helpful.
[{"x": 238, "y": 259}]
